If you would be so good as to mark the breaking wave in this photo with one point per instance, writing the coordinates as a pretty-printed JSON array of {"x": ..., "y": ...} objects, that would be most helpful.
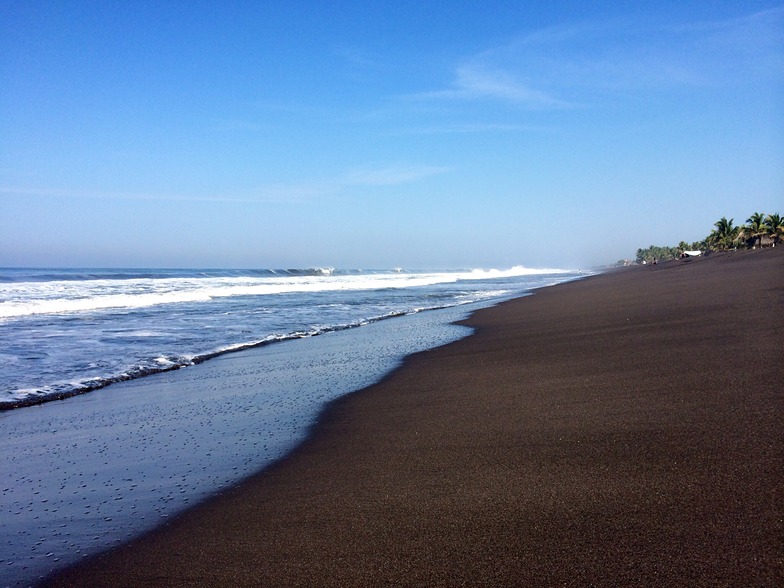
[{"x": 97, "y": 291}]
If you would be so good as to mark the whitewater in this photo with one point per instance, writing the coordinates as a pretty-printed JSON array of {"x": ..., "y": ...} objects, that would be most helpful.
[
  {"x": 65, "y": 332},
  {"x": 180, "y": 383}
]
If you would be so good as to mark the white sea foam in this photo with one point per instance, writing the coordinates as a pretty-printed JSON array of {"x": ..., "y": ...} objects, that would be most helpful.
[{"x": 32, "y": 298}]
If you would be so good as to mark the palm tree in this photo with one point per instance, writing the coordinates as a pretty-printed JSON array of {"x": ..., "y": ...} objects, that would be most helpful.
[
  {"x": 725, "y": 235},
  {"x": 774, "y": 227},
  {"x": 755, "y": 228}
]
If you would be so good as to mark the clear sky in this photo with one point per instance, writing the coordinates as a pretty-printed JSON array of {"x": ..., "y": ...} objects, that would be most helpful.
[{"x": 380, "y": 134}]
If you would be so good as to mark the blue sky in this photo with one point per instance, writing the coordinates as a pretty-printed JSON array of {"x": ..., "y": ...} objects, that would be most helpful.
[{"x": 382, "y": 134}]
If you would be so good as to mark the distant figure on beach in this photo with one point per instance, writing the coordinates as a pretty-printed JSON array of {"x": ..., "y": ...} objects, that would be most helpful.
[{"x": 654, "y": 261}]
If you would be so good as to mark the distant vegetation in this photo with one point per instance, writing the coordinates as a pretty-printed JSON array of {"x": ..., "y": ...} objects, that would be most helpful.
[{"x": 760, "y": 230}]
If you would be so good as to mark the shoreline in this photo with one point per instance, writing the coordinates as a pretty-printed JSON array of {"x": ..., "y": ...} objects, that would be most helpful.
[
  {"x": 598, "y": 431},
  {"x": 161, "y": 342},
  {"x": 195, "y": 360},
  {"x": 129, "y": 458}
]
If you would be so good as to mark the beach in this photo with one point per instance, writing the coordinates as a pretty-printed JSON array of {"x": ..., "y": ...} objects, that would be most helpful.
[{"x": 622, "y": 429}]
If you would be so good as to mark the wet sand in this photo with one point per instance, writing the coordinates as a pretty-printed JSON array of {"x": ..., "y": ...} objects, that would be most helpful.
[{"x": 625, "y": 429}]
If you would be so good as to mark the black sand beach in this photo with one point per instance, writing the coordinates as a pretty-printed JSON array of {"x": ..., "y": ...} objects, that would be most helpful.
[{"x": 625, "y": 429}]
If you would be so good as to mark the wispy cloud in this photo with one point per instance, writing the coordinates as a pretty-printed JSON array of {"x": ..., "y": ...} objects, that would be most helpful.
[
  {"x": 578, "y": 63},
  {"x": 358, "y": 58},
  {"x": 391, "y": 175},
  {"x": 238, "y": 125},
  {"x": 114, "y": 195},
  {"x": 369, "y": 177},
  {"x": 290, "y": 193},
  {"x": 477, "y": 80},
  {"x": 470, "y": 128},
  {"x": 751, "y": 45}
]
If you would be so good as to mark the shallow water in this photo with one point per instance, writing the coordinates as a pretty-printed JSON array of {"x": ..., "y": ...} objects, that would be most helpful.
[{"x": 86, "y": 473}]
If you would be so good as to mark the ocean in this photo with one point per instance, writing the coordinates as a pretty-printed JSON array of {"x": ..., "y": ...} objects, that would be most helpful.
[{"x": 128, "y": 395}]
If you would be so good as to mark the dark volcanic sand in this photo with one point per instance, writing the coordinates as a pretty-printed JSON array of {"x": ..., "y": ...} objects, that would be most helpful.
[{"x": 625, "y": 429}]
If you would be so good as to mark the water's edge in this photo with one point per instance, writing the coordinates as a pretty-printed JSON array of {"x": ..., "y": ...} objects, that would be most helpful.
[
  {"x": 132, "y": 502},
  {"x": 199, "y": 359}
]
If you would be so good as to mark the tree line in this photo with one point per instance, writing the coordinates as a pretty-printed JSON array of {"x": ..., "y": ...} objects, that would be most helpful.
[{"x": 760, "y": 230}]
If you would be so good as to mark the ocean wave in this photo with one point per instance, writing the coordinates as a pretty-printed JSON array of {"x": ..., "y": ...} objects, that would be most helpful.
[
  {"x": 59, "y": 391},
  {"x": 159, "y": 364},
  {"x": 20, "y": 299},
  {"x": 17, "y": 275},
  {"x": 68, "y": 337}
]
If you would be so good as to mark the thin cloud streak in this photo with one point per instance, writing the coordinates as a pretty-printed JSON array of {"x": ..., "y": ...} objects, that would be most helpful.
[
  {"x": 479, "y": 81},
  {"x": 108, "y": 195},
  {"x": 469, "y": 128},
  {"x": 358, "y": 58},
  {"x": 547, "y": 68},
  {"x": 274, "y": 193},
  {"x": 390, "y": 176},
  {"x": 238, "y": 125}
]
